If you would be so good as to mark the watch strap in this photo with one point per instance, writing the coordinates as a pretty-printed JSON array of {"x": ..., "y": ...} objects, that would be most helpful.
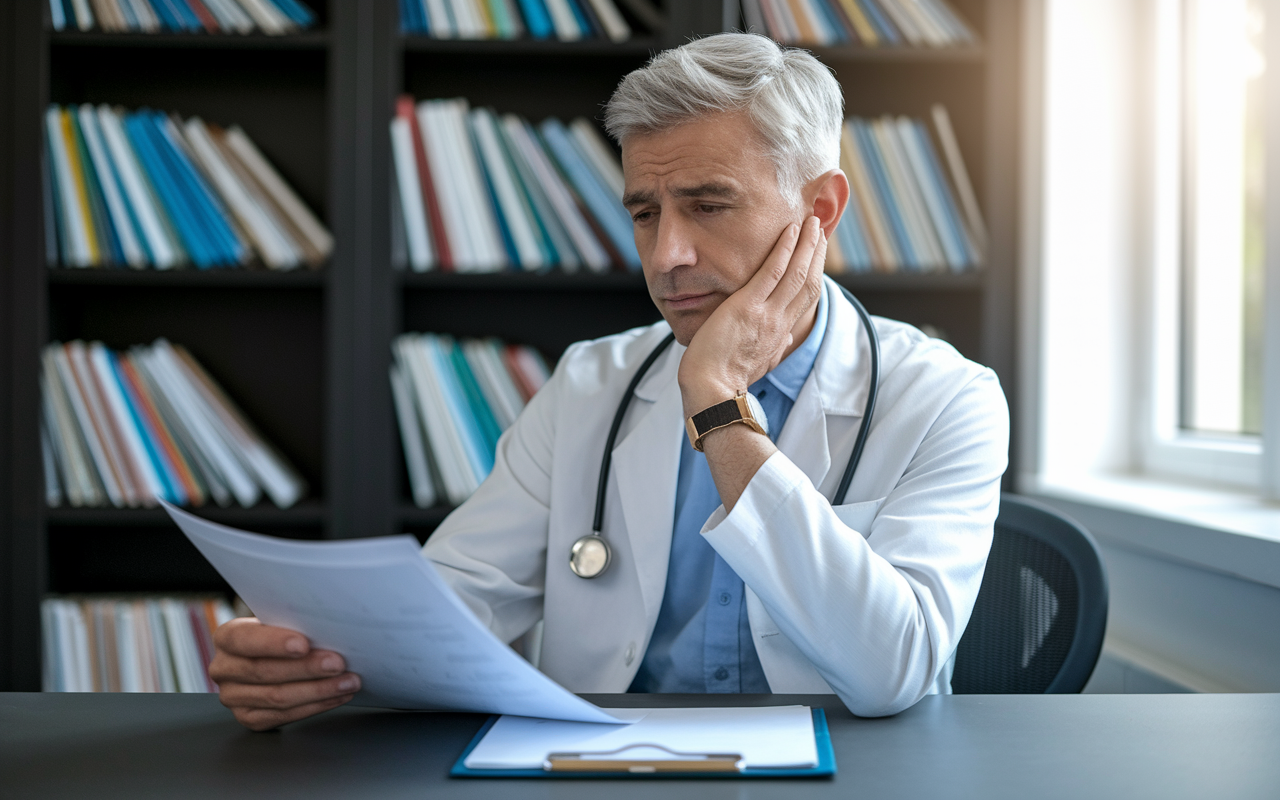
[{"x": 720, "y": 415}]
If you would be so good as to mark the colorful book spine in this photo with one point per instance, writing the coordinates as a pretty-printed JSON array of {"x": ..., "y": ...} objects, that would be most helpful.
[
  {"x": 130, "y": 643},
  {"x": 146, "y": 189},
  {"x": 273, "y": 17},
  {"x": 567, "y": 20},
  {"x": 454, "y": 399},
  {"x": 126, "y": 429}
]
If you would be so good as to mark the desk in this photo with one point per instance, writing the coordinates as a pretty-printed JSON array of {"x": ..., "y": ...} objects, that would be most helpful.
[{"x": 968, "y": 746}]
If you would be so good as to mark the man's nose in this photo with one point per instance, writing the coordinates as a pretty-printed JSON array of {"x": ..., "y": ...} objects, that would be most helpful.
[{"x": 675, "y": 245}]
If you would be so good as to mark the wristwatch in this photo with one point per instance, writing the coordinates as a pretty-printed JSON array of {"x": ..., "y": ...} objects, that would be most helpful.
[{"x": 743, "y": 407}]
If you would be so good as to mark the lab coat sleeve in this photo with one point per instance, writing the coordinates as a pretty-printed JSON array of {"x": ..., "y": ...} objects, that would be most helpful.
[
  {"x": 878, "y": 612},
  {"x": 492, "y": 548}
]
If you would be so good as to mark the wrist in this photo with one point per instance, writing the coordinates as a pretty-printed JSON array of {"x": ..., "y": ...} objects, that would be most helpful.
[{"x": 702, "y": 393}]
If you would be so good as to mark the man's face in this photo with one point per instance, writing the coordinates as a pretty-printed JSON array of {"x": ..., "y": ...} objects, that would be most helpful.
[{"x": 707, "y": 211}]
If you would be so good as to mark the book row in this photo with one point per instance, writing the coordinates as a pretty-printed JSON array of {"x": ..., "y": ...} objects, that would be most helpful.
[
  {"x": 480, "y": 192},
  {"x": 125, "y": 428},
  {"x": 566, "y": 20},
  {"x": 130, "y": 644},
  {"x": 145, "y": 188},
  {"x": 154, "y": 16},
  {"x": 453, "y": 399},
  {"x": 908, "y": 209},
  {"x": 869, "y": 23}
]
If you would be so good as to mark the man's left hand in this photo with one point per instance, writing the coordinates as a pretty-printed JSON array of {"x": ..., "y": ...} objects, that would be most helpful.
[{"x": 751, "y": 331}]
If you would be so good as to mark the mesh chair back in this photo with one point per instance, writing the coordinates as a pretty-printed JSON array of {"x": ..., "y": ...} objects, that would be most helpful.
[{"x": 1038, "y": 623}]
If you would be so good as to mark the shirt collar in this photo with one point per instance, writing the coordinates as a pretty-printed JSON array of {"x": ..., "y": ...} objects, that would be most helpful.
[{"x": 790, "y": 375}]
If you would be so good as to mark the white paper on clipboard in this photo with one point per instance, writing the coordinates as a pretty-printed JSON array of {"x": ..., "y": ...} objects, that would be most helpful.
[{"x": 400, "y": 627}]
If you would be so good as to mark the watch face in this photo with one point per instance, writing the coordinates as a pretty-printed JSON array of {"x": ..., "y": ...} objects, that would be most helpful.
[{"x": 757, "y": 411}]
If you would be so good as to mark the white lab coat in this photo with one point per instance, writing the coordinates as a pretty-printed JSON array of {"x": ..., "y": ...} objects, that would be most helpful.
[{"x": 867, "y": 600}]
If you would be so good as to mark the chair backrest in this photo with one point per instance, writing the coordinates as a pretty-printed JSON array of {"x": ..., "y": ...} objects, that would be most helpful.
[{"x": 1041, "y": 613}]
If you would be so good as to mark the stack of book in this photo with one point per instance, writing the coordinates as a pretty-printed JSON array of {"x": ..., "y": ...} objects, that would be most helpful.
[
  {"x": 149, "y": 189},
  {"x": 869, "y": 23},
  {"x": 153, "y": 16},
  {"x": 130, "y": 644},
  {"x": 123, "y": 429},
  {"x": 479, "y": 193},
  {"x": 453, "y": 400},
  {"x": 903, "y": 213},
  {"x": 567, "y": 20}
]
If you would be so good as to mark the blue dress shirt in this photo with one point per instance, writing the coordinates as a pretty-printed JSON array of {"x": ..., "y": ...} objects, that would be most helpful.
[{"x": 702, "y": 640}]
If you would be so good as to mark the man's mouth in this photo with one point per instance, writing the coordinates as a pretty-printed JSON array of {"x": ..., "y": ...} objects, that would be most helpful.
[{"x": 687, "y": 300}]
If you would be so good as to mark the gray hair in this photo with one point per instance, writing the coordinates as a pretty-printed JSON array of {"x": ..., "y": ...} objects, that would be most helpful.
[{"x": 792, "y": 99}]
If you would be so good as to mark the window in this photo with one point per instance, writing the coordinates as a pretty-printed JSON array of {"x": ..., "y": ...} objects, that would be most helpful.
[{"x": 1205, "y": 406}]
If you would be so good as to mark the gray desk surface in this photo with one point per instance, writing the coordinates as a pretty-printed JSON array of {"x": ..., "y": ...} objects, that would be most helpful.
[{"x": 993, "y": 746}]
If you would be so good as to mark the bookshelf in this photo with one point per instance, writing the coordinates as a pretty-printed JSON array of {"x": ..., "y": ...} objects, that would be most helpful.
[{"x": 306, "y": 353}]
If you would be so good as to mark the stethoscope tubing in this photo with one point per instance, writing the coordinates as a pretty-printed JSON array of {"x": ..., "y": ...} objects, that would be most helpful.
[{"x": 854, "y": 458}]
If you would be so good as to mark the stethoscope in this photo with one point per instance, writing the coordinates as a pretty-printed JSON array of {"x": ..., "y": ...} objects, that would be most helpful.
[{"x": 590, "y": 555}]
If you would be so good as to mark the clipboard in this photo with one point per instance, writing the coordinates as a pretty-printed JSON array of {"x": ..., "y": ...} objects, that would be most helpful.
[{"x": 718, "y": 764}]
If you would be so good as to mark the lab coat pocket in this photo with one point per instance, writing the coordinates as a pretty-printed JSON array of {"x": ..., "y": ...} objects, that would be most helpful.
[{"x": 859, "y": 516}]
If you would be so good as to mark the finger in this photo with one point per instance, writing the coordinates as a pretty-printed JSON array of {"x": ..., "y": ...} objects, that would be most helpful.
[
  {"x": 265, "y": 719},
  {"x": 230, "y": 668},
  {"x": 284, "y": 696},
  {"x": 811, "y": 289},
  {"x": 798, "y": 268},
  {"x": 775, "y": 264},
  {"x": 248, "y": 637}
]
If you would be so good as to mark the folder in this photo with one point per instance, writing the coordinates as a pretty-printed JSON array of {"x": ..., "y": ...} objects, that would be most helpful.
[{"x": 675, "y": 743}]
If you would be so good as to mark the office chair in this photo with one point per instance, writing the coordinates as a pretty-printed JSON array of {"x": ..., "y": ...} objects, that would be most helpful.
[{"x": 1041, "y": 612}]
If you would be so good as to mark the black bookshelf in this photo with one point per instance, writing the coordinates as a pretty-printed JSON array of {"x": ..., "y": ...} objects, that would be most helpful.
[{"x": 306, "y": 352}]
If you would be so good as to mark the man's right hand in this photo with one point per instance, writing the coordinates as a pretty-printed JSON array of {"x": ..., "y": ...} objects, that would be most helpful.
[{"x": 271, "y": 676}]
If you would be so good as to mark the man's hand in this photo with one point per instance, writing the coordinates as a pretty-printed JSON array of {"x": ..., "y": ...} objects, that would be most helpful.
[
  {"x": 751, "y": 331},
  {"x": 270, "y": 676}
]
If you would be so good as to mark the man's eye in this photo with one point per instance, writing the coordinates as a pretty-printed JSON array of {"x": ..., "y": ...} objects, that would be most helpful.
[
  {"x": 708, "y": 209},
  {"x": 642, "y": 216}
]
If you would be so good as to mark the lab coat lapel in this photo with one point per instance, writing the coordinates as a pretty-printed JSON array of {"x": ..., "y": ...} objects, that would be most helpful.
[{"x": 645, "y": 464}]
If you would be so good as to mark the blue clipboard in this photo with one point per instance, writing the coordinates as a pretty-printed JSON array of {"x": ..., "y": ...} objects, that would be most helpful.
[{"x": 825, "y": 768}]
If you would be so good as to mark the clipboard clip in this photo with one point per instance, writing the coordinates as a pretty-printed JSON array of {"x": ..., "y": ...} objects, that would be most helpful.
[{"x": 681, "y": 761}]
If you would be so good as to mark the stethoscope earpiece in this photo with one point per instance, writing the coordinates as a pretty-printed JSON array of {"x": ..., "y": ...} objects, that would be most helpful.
[{"x": 590, "y": 555}]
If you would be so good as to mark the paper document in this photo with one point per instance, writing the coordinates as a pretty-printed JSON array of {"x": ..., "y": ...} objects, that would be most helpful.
[
  {"x": 384, "y": 607},
  {"x": 779, "y": 737}
]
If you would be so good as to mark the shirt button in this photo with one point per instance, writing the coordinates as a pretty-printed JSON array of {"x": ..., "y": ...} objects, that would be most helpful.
[
  {"x": 721, "y": 674},
  {"x": 725, "y": 598}
]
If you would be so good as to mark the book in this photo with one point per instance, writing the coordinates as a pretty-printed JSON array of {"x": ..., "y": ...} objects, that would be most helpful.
[
  {"x": 454, "y": 399},
  {"x": 273, "y": 17},
  {"x": 147, "y": 189},
  {"x": 128, "y": 428}
]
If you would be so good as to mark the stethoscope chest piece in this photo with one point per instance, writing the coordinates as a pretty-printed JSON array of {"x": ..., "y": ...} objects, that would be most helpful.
[{"x": 589, "y": 556}]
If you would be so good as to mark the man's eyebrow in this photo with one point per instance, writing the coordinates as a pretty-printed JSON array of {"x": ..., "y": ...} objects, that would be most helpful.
[
  {"x": 637, "y": 198},
  {"x": 715, "y": 189},
  {"x": 710, "y": 189}
]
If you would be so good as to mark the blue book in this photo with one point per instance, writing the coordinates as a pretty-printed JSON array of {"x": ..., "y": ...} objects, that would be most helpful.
[
  {"x": 852, "y": 238},
  {"x": 159, "y": 462},
  {"x": 55, "y": 231},
  {"x": 584, "y": 24},
  {"x": 480, "y": 457},
  {"x": 606, "y": 208},
  {"x": 295, "y": 11},
  {"x": 57, "y": 15},
  {"x": 537, "y": 19},
  {"x": 196, "y": 216},
  {"x": 475, "y": 397},
  {"x": 187, "y": 18},
  {"x": 888, "y": 201},
  {"x": 950, "y": 208},
  {"x": 208, "y": 205},
  {"x": 130, "y": 18},
  {"x": 412, "y": 18},
  {"x": 829, "y": 17},
  {"x": 167, "y": 16},
  {"x": 504, "y": 231},
  {"x": 881, "y": 22},
  {"x": 175, "y": 204}
]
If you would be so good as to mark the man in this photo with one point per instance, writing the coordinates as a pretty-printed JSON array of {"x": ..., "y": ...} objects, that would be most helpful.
[{"x": 731, "y": 570}]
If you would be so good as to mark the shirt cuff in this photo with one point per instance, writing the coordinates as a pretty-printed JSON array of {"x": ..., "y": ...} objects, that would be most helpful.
[{"x": 766, "y": 493}]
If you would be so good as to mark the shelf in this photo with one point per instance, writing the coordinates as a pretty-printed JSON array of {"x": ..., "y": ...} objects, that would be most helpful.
[
  {"x": 639, "y": 47},
  {"x": 250, "y": 278},
  {"x": 307, "y": 513},
  {"x": 557, "y": 281},
  {"x": 305, "y": 40}
]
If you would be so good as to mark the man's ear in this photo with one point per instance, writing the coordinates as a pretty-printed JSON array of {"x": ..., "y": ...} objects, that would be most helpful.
[{"x": 830, "y": 198}]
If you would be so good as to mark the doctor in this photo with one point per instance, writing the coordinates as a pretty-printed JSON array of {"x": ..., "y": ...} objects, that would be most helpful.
[{"x": 730, "y": 570}]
